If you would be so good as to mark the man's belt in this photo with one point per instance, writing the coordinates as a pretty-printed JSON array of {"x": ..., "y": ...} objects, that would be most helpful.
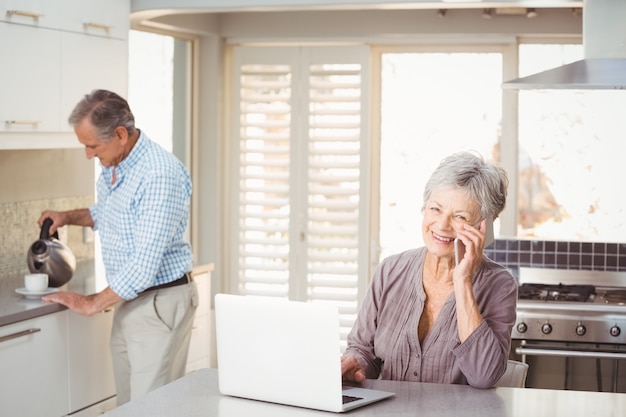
[{"x": 185, "y": 279}]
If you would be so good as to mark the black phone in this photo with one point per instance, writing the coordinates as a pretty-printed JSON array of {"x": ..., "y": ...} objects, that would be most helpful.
[{"x": 459, "y": 247}]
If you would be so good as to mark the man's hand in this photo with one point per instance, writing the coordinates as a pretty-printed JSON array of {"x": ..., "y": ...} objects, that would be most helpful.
[{"x": 86, "y": 305}]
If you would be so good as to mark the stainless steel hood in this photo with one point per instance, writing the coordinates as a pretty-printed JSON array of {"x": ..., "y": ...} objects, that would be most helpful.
[{"x": 604, "y": 45}]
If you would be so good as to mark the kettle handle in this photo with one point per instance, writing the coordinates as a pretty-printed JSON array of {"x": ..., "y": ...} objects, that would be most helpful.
[{"x": 45, "y": 230}]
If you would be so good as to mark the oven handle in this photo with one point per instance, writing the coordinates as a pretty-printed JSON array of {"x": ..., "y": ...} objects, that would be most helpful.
[{"x": 572, "y": 353}]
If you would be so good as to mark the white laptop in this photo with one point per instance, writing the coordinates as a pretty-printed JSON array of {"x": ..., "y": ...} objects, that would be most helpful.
[{"x": 284, "y": 352}]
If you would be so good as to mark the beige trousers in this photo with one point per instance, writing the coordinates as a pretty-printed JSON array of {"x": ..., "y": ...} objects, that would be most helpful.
[{"x": 150, "y": 339}]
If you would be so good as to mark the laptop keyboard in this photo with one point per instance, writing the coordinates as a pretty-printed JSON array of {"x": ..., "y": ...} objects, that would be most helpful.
[{"x": 348, "y": 399}]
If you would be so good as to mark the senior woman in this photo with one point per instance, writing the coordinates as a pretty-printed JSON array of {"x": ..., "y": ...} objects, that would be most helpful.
[{"x": 425, "y": 318}]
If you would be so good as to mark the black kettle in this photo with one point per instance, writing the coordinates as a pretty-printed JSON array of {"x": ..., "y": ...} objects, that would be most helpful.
[{"x": 50, "y": 256}]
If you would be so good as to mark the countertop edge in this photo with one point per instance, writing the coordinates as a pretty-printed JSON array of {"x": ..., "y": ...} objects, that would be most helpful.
[{"x": 31, "y": 314}]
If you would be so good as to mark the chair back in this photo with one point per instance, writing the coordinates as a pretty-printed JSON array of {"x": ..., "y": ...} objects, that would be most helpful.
[{"x": 515, "y": 375}]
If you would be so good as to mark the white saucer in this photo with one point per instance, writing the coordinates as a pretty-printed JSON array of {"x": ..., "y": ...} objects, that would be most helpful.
[{"x": 35, "y": 294}]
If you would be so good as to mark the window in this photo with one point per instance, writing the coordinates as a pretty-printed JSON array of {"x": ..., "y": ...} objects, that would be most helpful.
[
  {"x": 570, "y": 156},
  {"x": 158, "y": 89},
  {"x": 432, "y": 104},
  {"x": 300, "y": 187}
]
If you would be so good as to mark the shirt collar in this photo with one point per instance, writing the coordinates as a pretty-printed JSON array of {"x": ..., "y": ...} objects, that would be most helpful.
[{"x": 127, "y": 163}]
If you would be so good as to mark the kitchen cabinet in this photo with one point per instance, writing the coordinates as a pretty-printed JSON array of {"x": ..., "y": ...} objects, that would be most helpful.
[
  {"x": 200, "y": 344},
  {"x": 31, "y": 79},
  {"x": 43, "y": 14},
  {"x": 110, "y": 18},
  {"x": 80, "y": 75},
  {"x": 59, "y": 51},
  {"x": 33, "y": 367},
  {"x": 91, "y": 378}
]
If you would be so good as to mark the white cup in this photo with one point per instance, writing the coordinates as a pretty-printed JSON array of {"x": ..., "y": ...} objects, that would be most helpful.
[{"x": 36, "y": 282}]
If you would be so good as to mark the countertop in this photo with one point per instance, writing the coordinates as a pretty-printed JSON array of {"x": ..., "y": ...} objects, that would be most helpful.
[
  {"x": 15, "y": 307},
  {"x": 197, "y": 394}
]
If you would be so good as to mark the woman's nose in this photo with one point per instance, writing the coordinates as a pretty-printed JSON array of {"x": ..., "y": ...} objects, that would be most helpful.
[{"x": 445, "y": 223}]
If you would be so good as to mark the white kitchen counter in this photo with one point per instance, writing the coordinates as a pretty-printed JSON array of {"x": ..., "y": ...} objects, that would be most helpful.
[{"x": 197, "y": 394}]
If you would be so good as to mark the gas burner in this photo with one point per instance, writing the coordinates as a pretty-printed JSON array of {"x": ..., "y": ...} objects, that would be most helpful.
[
  {"x": 544, "y": 292},
  {"x": 617, "y": 297}
]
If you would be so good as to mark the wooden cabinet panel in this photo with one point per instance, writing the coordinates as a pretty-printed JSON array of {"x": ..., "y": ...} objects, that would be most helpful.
[
  {"x": 58, "y": 52},
  {"x": 33, "y": 367},
  {"x": 31, "y": 79},
  {"x": 91, "y": 63},
  {"x": 90, "y": 368},
  {"x": 44, "y": 14},
  {"x": 107, "y": 18}
]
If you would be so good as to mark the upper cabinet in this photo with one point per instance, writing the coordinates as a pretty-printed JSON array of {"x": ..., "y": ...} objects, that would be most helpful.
[
  {"x": 39, "y": 13},
  {"x": 109, "y": 18},
  {"x": 58, "y": 51}
]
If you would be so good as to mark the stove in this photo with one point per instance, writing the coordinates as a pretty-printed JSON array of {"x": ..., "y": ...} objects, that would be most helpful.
[
  {"x": 577, "y": 316},
  {"x": 571, "y": 306}
]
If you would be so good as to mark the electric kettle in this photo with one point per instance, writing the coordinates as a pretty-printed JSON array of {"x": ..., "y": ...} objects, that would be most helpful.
[{"x": 50, "y": 256}]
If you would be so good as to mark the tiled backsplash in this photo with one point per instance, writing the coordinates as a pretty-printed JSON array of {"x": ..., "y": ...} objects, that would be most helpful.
[
  {"x": 590, "y": 256},
  {"x": 18, "y": 223}
]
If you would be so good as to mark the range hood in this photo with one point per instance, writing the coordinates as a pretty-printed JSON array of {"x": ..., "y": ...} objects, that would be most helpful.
[{"x": 604, "y": 45}]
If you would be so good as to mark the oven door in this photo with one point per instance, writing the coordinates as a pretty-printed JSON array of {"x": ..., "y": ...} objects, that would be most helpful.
[{"x": 572, "y": 365}]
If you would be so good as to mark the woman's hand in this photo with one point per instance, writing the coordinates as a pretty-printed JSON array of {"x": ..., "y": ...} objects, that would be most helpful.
[
  {"x": 351, "y": 370},
  {"x": 467, "y": 313},
  {"x": 473, "y": 238}
]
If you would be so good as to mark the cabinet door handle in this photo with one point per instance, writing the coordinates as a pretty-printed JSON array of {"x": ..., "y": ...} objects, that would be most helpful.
[
  {"x": 21, "y": 122},
  {"x": 97, "y": 26},
  {"x": 35, "y": 16},
  {"x": 18, "y": 334}
]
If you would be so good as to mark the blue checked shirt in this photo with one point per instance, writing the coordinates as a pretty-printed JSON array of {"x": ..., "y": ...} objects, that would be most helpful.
[{"x": 141, "y": 219}]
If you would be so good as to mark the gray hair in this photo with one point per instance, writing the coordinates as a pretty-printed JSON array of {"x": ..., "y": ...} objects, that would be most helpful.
[
  {"x": 485, "y": 182},
  {"x": 105, "y": 111}
]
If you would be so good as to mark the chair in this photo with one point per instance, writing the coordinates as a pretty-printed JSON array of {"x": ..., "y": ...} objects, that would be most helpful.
[{"x": 514, "y": 376}]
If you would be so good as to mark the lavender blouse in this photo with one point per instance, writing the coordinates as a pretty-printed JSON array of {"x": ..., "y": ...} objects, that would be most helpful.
[{"x": 384, "y": 337}]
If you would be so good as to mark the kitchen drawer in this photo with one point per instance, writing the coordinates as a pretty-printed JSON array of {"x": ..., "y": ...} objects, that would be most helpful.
[{"x": 33, "y": 367}]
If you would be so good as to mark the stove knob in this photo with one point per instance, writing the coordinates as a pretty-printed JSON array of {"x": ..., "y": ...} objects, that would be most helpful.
[
  {"x": 546, "y": 328},
  {"x": 615, "y": 331},
  {"x": 522, "y": 327},
  {"x": 581, "y": 330}
]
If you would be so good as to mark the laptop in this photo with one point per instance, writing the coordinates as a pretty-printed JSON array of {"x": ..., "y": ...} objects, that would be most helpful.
[{"x": 284, "y": 352}]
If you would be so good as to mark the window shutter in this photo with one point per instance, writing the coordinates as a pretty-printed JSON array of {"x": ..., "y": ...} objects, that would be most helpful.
[{"x": 302, "y": 224}]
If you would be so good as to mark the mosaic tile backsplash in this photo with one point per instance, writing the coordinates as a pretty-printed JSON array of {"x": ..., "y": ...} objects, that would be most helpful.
[
  {"x": 588, "y": 256},
  {"x": 18, "y": 222}
]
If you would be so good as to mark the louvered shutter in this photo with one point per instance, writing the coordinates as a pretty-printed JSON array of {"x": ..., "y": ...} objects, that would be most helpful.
[{"x": 301, "y": 183}]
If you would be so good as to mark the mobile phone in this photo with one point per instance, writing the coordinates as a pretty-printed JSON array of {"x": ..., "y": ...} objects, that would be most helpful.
[
  {"x": 459, "y": 250},
  {"x": 459, "y": 247}
]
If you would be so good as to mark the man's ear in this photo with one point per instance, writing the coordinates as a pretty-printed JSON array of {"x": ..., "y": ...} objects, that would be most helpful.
[{"x": 121, "y": 134}]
